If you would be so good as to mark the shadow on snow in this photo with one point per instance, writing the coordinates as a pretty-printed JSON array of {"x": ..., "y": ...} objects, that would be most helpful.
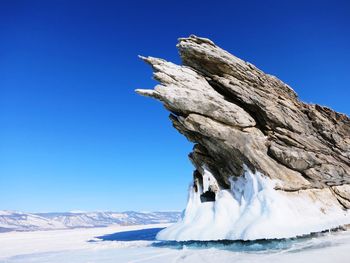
[
  {"x": 134, "y": 235},
  {"x": 312, "y": 241}
]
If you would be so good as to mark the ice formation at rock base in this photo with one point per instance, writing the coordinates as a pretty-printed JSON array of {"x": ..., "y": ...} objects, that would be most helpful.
[{"x": 252, "y": 209}]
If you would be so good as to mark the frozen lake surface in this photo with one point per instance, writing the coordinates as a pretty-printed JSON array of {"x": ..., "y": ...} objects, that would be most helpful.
[{"x": 138, "y": 244}]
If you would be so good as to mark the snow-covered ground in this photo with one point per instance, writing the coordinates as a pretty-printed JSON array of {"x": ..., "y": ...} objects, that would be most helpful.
[{"x": 81, "y": 245}]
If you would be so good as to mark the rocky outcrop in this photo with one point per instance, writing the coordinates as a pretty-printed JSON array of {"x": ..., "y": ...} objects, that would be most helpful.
[{"x": 236, "y": 114}]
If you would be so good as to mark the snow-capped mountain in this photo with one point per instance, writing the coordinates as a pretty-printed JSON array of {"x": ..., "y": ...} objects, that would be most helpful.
[{"x": 19, "y": 221}]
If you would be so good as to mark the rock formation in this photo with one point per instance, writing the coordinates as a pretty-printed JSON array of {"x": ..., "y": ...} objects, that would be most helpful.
[{"x": 236, "y": 115}]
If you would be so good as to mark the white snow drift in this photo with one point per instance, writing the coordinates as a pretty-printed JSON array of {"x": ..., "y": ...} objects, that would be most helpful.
[{"x": 253, "y": 209}]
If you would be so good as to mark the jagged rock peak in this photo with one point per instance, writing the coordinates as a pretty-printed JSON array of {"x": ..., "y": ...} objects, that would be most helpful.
[{"x": 236, "y": 114}]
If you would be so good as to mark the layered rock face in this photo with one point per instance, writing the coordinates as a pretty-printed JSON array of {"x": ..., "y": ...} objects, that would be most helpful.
[{"x": 238, "y": 116}]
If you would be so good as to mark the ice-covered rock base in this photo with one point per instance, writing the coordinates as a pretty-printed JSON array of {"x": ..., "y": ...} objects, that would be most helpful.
[
  {"x": 252, "y": 209},
  {"x": 236, "y": 114}
]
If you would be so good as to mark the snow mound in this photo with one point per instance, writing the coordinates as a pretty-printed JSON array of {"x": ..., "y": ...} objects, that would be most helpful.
[{"x": 252, "y": 209}]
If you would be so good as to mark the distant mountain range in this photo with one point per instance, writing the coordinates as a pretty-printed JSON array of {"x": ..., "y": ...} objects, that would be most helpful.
[{"x": 19, "y": 221}]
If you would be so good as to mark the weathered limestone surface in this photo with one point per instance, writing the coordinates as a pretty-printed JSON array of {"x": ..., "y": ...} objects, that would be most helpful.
[{"x": 236, "y": 114}]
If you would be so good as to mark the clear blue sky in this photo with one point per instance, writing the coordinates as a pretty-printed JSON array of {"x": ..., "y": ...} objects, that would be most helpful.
[{"x": 74, "y": 135}]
